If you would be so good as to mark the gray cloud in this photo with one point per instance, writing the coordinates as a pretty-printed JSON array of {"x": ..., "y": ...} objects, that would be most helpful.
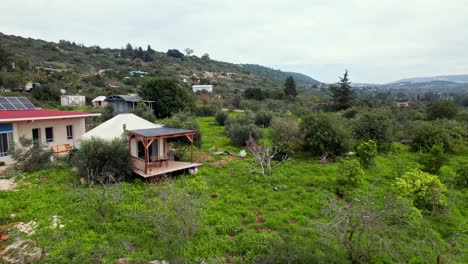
[{"x": 377, "y": 41}]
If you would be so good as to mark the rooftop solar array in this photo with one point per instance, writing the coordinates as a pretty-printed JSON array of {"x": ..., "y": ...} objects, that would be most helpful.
[{"x": 15, "y": 103}]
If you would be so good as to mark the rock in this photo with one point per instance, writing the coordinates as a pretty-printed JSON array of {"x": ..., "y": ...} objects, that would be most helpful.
[
  {"x": 12, "y": 216},
  {"x": 27, "y": 228},
  {"x": 124, "y": 261},
  {"x": 83, "y": 181},
  {"x": 7, "y": 185},
  {"x": 23, "y": 251},
  {"x": 158, "y": 262}
]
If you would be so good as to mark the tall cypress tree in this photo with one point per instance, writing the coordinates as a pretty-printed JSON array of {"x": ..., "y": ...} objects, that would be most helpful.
[
  {"x": 290, "y": 87},
  {"x": 342, "y": 93}
]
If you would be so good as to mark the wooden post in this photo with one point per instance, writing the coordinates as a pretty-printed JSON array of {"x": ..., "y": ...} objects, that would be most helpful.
[
  {"x": 146, "y": 155},
  {"x": 191, "y": 152}
]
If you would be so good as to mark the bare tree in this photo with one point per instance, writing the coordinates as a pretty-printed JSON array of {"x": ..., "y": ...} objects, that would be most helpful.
[
  {"x": 368, "y": 230},
  {"x": 265, "y": 157}
]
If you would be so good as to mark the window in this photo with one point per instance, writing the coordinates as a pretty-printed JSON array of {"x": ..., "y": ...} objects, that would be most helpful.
[
  {"x": 5, "y": 141},
  {"x": 6, "y": 137},
  {"x": 49, "y": 134},
  {"x": 36, "y": 136},
  {"x": 69, "y": 132}
]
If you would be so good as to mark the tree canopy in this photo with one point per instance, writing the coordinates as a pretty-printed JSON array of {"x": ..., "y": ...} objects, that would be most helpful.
[
  {"x": 168, "y": 96},
  {"x": 326, "y": 132}
]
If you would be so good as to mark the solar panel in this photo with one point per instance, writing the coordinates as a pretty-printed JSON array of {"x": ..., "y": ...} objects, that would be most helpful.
[
  {"x": 15, "y": 103},
  {"x": 26, "y": 103}
]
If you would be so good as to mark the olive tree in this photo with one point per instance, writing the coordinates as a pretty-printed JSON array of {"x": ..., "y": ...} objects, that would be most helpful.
[{"x": 326, "y": 133}]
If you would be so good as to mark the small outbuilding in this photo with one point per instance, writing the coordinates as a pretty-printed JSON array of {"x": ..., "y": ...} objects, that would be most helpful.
[
  {"x": 72, "y": 100},
  {"x": 99, "y": 101},
  {"x": 199, "y": 88}
]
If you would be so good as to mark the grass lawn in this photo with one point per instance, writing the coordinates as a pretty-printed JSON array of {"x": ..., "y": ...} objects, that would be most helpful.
[{"x": 241, "y": 211}]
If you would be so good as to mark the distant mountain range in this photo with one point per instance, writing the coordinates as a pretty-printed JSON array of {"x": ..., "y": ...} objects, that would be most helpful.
[
  {"x": 448, "y": 83},
  {"x": 443, "y": 78}
]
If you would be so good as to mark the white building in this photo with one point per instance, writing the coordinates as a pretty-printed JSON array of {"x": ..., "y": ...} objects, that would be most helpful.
[
  {"x": 72, "y": 100},
  {"x": 197, "y": 88}
]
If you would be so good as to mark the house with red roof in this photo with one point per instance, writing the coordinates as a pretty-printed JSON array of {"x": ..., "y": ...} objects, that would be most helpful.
[{"x": 49, "y": 128}]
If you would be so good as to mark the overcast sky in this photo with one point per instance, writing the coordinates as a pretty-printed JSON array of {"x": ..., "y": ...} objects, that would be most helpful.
[{"x": 376, "y": 40}]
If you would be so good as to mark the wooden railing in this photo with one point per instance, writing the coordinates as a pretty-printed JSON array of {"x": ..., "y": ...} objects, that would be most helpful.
[{"x": 138, "y": 164}]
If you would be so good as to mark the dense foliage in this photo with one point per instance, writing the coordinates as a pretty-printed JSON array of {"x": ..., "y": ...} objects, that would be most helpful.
[
  {"x": 424, "y": 190},
  {"x": 240, "y": 129},
  {"x": 103, "y": 161},
  {"x": 286, "y": 134},
  {"x": 30, "y": 155},
  {"x": 168, "y": 96},
  {"x": 374, "y": 126},
  {"x": 326, "y": 133}
]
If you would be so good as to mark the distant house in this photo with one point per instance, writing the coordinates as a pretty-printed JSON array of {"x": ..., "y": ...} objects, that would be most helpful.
[
  {"x": 199, "y": 88},
  {"x": 31, "y": 85},
  {"x": 405, "y": 104},
  {"x": 99, "y": 101},
  {"x": 49, "y": 128},
  {"x": 137, "y": 73},
  {"x": 72, "y": 100},
  {"x": 127, "y": 103}
]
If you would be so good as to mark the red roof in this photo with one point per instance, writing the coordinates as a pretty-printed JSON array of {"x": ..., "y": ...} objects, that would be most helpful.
[{"x": 41, "y": 114}]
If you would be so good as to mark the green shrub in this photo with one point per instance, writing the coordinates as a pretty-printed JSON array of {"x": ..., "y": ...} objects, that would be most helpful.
[
  {"x": 239, "y": 129},
  {"x": 2, "y": 163},
  {"x": 441, "y": 109},
  {"x": 461, "y": 177},
  {"x": 424, "y": 190},
  {"x": 286, "y": 134},
  {"x": 375, "y": 126},
  {"x": 427, "y": 134},
  {"x": 221, "y": 117},
  {"x": 206, "y": 110},
  {"x": 30, "y": 156},
  {"x": 433, "y": 159},
  {"x": 185, "y": 120},
  {"x": 326, "y": 134},
  {"x": 366, "y": 152},
  {"x": 263, "y": 119},
  {"x": 349, "y": 177},
  {"x": 103, "y": 161}
]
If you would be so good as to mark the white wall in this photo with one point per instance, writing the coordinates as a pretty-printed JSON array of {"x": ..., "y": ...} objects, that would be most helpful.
[
  {"x": 24, "y": 128},
  {"x": 72, "y": 100}
]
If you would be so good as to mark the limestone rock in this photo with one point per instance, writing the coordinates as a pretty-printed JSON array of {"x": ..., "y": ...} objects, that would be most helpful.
[{"x": 23, "y": 251}]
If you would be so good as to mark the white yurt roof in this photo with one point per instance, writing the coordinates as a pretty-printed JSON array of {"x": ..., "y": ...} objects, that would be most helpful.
[
  {"x": 99, "y": 98},
  {"x": 114, "y": 127}
]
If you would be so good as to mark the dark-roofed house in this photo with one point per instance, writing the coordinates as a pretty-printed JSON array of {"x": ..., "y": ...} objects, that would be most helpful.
[
  {"x": 150, "y": 152},
  {"x": 127, "y": 103}
]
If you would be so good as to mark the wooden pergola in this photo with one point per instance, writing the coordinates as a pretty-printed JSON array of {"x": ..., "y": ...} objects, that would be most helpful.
[{"x": 147, "y": 138}]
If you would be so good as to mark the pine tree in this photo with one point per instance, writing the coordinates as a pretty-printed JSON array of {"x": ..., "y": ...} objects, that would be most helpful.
[
  {"x": 341, "y": 93},
  {"x": 290, "y": 87},
  {"x": 150, "y": 50}
]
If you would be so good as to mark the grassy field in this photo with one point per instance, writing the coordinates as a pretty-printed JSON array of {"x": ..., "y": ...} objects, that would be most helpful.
[{"x": 241, "y": 212}]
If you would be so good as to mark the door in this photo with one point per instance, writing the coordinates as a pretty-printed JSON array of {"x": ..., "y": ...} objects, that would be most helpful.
[{"x": 36, "y": 135}]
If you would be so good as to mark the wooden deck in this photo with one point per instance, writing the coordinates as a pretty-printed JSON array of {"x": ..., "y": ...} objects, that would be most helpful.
[{"x": 160, "y": 168}]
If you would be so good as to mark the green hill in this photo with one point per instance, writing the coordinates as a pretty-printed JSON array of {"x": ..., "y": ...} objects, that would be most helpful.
[
  {"x": 96, "y": 71},
  {"x": 273, "y": 74}
]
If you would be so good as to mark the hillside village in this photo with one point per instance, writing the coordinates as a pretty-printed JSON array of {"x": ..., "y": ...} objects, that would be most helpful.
[{"x": 137, "y": 156}]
